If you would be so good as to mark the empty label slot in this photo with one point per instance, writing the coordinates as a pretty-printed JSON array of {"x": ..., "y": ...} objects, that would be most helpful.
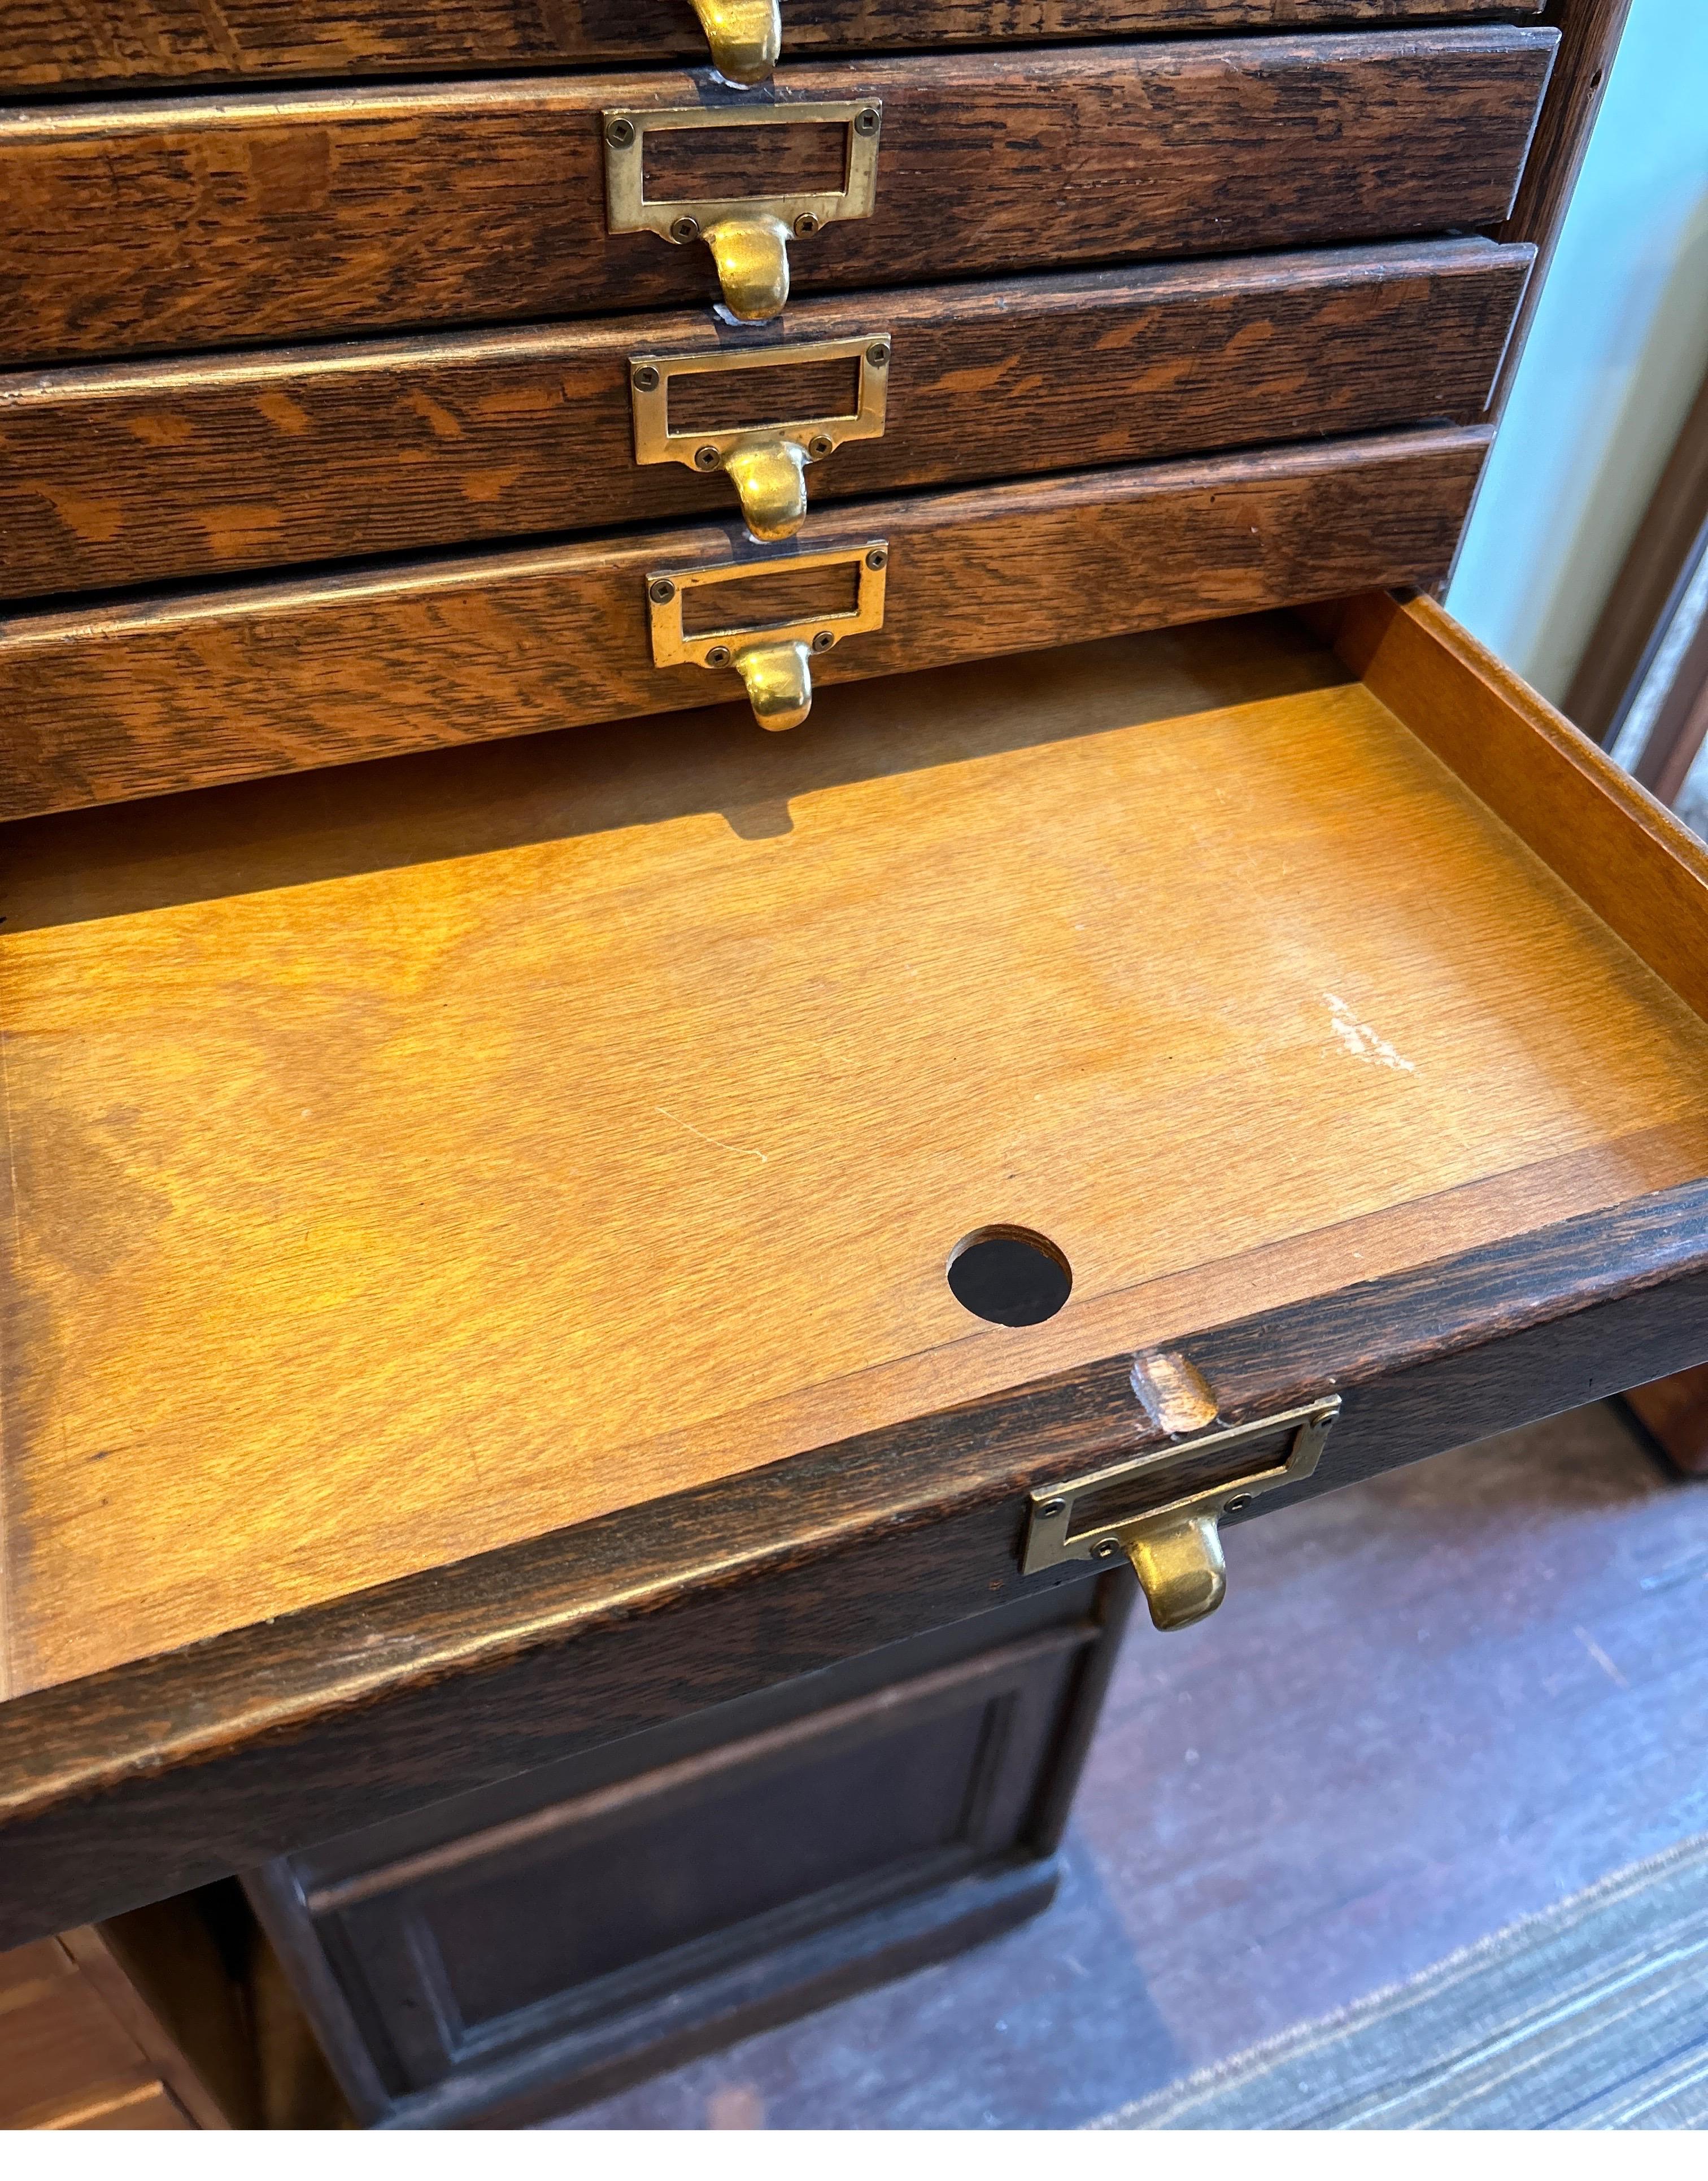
[
  {"x": 772, "y": 393},
  {"x": 771, "y": 600},
  {"x": 1175, "y": 1478},
  {"x": 796, "y": 159}
]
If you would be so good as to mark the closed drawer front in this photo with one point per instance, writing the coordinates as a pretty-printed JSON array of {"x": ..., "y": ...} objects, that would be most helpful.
[
  {"x": 562, "y": 1909},
  {"x": 326, "y": 670},
  {"x": 189, "y": 223},
  {"x": 133, "y": 474},
  {"x": 61, "y": 44}
]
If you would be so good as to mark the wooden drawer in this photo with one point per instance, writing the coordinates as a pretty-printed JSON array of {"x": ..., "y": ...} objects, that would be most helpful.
[
  {"x": 609, "y": 1915},
  {"x": 170, "y": 225},
  {"x": 65, "y": 45},
  {"x": 137, "y": 473},
  {"x": 479, "y": 1254},
  {"x": 135, "y": 2025},
  {"x": 323, "y": 671}
]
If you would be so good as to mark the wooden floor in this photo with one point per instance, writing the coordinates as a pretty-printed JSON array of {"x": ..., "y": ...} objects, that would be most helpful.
[
  {"x": 415, "y": 1158},
  {"x": 1433, "y": 1703}
]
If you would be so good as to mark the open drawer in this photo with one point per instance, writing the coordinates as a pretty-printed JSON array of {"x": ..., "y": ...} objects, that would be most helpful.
[{"x": 480, "y": 1217}]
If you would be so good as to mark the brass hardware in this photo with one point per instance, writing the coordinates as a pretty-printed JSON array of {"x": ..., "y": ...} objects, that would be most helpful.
[
  {"x": 748, "y": 237},
  {"x": 775, "y": 664},
  {"x": 766, "y": 463},
  {"x": 1161, "y": 1512},
  {"x": 745, "y": 36}
]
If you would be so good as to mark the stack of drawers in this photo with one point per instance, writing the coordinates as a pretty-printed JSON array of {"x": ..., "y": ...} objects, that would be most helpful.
[
  {"x": 594, "y": 1321},
  {"x": 484, "y": 386}
]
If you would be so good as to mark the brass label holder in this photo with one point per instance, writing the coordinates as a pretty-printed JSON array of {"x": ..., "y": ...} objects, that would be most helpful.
[
  {"x": 776, "y": 663},
  {"x": 1174, "y": 1543},
  {"x": 766, "y": 463},
  {"x": 745, "y": 37},
  {"x": 748, "y": 237}
]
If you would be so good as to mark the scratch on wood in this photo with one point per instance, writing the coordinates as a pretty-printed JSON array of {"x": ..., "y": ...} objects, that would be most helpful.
[{"x": 717, "y": 1142}]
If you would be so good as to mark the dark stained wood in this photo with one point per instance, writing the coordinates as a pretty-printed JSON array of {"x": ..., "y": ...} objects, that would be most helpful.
[
  {"x": 196, "y": 224},
  {"x": 600, "y": 1918},
  {"x": 1589, "y": 31},
  {"x": 126, "y": 474},
  {"x": 67, "y": 44},
  {"x": 1669, "y": 545},
  {"x": 157, "y": 1776},
  {"x": 1674, "y": 1412},
  {"x": 319, "y": 672}
]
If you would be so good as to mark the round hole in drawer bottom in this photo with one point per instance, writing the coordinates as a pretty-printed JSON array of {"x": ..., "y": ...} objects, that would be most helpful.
[{"x": 1009, "y": 1275}]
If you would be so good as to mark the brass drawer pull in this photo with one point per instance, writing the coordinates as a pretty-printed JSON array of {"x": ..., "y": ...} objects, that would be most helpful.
[
  {"x": 1162, "y": 1509},
  {"x": 745, "y": 36},
  {"x": 776, "y": 663},
  {"x": 766, "y": 463},
  {"x": 748, "y": 237}
]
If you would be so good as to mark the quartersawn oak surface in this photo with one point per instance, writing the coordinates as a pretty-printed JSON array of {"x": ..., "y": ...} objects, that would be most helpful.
[
  {"x": 125, "y": 474},
  {"x": 65, "y": 44},
  {"x": 411, "y": 655},
  {"x": 411, "y": 1160},
  {"x": 163, "y": 224}
]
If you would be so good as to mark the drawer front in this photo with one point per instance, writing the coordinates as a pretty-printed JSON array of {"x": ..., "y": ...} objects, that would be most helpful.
[
  {"x": 326, "y": 671},
  {"x": 66, "y": 45},
  {"x": 123, "y": 475},
  {"x": 557, "y": 1911},
  {"x": 196, "y": 224}
]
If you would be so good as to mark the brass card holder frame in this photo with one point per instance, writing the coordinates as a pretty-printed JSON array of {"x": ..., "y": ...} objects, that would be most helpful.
[
  {"x": 745, "y": 37},
  {"x": 748, "y": 237},
  {"x": 1175, "y": 1548},
  {"x": 766, "y": 463},
  {"x": 774, "y": 663}
]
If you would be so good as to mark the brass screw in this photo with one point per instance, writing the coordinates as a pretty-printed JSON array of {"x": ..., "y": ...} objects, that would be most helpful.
[
  {"x": 621, "y": 133},
  {"x": 1052, "y": 1507},
  {"x": 807, "y": 224},
  {"x": 646, "y": 379},
  {"x": 684, "y": 230},
  {"x": 718, "y": 655},
  {"x": 824, "y": 640},
  {"x": 1105, "y": 1548},
  {"x": 822, "y": 446},
  {"x": 866, "y": 123},
  {"x": 1240, "y": 1500},
  {"x": 662, "y": 592},
  {"x": 706, "y": 458},
  {"x": 879, "y": 353},
  {"x": 877, "y": 560}
]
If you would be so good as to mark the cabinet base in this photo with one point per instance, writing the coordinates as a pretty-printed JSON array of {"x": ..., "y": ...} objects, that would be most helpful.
[{"x": 829, "y": 1965}]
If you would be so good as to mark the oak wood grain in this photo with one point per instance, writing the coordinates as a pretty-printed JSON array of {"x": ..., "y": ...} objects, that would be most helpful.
[
  {"x": 369, "y": 1220},
  {"x": 127, "y": 474},
  {"x": 163, "y": 1773},
  {"x": 1642, "y": 871},
  {"x": 67, "y": 44},
  {"x": 414, "y": 655},
  {"x": 176, "y": 224}
]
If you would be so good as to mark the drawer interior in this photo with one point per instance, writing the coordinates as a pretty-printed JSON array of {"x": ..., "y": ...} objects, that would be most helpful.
[{"x": 410, "y": 1158}]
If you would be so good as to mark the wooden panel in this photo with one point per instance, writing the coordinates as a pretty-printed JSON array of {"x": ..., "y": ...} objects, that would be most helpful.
[
  {"x": 62, "y": 2051},
  {"x": 1641, "y": 870},
  {"x": 193, "y": 223},
  {"x": 576, "y": 1921},
  {"x": 127, "y": 474},
  {"x": 149, "y": 2106},
  {"x": 325, "y": 670},
  {"x": 74, "y": 44},
  {"x": 1675, "y": 1412},
  {"x": 983, "y": 948},
  {"x": 1590, "y": 33}
]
